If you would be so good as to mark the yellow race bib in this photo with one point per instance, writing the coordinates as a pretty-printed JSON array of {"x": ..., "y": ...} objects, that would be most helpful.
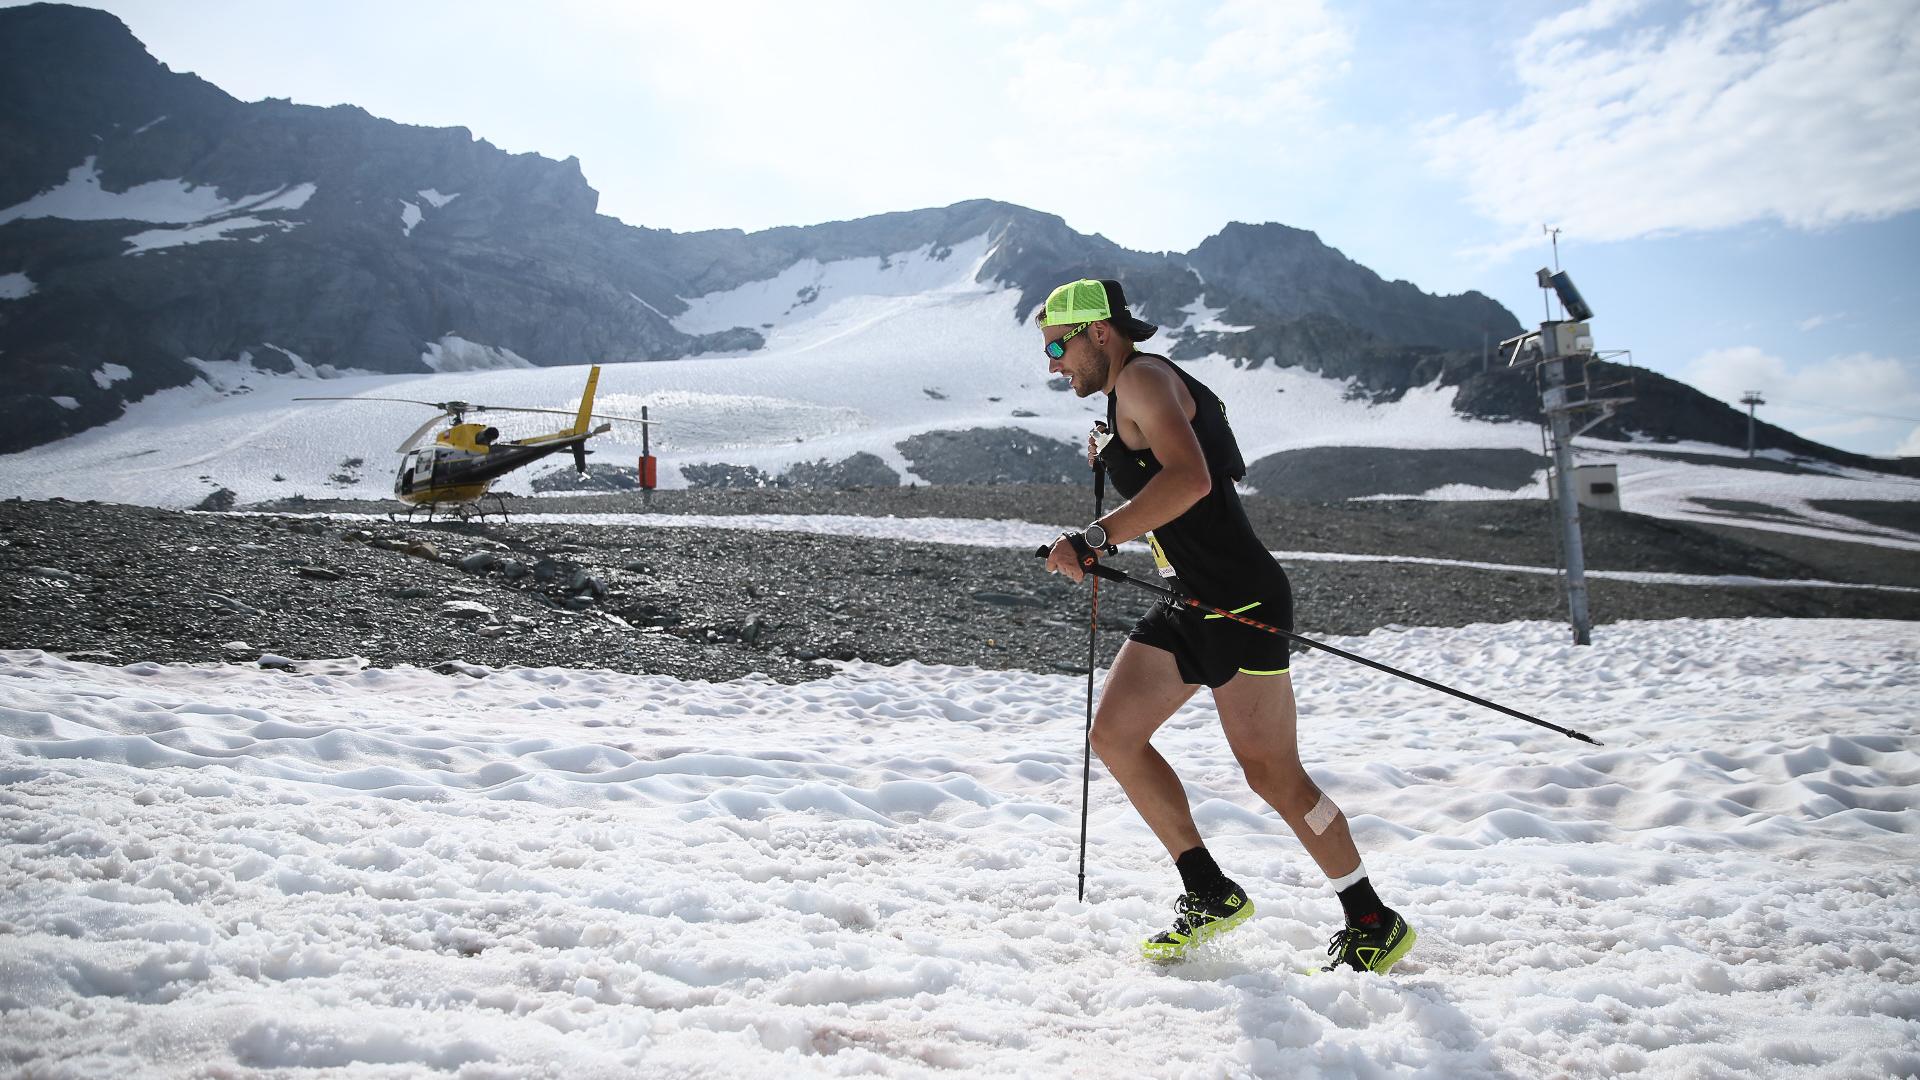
[{"x": 1159, "y": 556}]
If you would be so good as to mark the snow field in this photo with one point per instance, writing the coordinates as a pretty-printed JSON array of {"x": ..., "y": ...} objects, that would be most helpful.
[{"x": 578, "y": 873}]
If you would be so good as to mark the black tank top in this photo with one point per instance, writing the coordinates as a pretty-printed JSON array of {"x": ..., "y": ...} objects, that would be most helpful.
[{"x": 1210, "y": 551}]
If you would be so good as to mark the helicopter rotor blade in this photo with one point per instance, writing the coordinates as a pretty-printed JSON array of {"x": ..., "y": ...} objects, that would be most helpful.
[
  {"x": 556, "y": 412},
  {"x": 458, "y": 408},
  {"x": 595, "y": 415},
  {"x": 420, "y": 433},
  {"x": 441, "y": 405},
  {"x": 517, "y": 408},
  {"x": 453, "y": 408}
]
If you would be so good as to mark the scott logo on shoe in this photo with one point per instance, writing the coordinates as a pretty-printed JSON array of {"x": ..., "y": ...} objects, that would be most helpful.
[{"x": 1233, "y": 901}]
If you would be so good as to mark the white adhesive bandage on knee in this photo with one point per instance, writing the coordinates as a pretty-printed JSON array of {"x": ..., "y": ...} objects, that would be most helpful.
[{"x": 1322, "y": 814}]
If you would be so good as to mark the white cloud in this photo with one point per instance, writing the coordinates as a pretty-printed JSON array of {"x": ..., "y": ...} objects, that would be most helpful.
[
  {"x": 1729, "y": 373},
  {"x": 873, "y": 105},
  {"x": 1806, "y": 112},
  {"x": 1005, "y": 13},
  {"x": 1585, "y": 19},
  {"x": 1858, "y": 398},
  {"x": 1157, "y": 124},
  {"x": 1814, "y": 322},
  {"x": 1911, "y": 446},
  {"x": 1250, "y": 65}
]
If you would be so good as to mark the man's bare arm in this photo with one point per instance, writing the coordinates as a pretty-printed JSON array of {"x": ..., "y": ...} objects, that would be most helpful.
[{"x": 1153, "y": 403}]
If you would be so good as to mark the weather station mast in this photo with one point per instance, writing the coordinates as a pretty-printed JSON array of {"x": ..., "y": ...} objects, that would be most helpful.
[
  {"x": 1750, "y": 399},
  {"x": 1559, "y": 353}
]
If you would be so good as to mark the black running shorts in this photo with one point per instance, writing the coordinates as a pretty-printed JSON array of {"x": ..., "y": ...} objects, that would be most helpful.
[{"x": 1211, "y": 649}]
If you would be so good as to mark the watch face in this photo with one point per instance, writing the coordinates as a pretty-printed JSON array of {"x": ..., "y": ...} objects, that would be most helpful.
[{"x": 1096, "y": 536}]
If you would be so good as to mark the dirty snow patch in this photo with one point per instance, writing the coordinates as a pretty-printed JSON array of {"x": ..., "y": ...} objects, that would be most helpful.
[
  {"x": 108, "y": 374},
  {"x": 81, "y": 198},
  {"x": 649, "y": 307},
  {"x": 1202, "y": 319},
  {"x": 455, "y": 353},
  {"x": 291, "y": 197},
  {"x": 158, "y": 239}
]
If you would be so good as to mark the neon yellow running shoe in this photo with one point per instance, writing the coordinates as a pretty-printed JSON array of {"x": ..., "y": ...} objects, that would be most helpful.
[
  {"x": 1373, "y": 948},
  {"x": 1196, "y": 921}
]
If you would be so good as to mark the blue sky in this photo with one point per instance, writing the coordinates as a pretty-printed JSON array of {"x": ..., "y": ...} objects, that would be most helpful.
[{"x": 1737, "y": 183}]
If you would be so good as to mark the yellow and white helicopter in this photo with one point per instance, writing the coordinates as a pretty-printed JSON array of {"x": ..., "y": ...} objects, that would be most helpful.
[{"x": 458, "y": 468}]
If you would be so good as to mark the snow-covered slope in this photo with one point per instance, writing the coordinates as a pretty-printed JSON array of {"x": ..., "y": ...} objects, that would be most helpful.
[
  {"x": 860, "y": 354},
  {"x": 228, "y": 871}
]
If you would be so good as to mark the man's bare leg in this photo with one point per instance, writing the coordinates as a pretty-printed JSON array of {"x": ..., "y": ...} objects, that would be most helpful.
[
  {"x": 1143, "y": 689},
  {"x": 1258, "y": 714}
]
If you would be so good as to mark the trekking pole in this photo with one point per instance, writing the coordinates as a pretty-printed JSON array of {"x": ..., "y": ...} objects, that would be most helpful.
[
  {"x": 1093, "y": 630},
  {"x": 1098, "y": 570}
]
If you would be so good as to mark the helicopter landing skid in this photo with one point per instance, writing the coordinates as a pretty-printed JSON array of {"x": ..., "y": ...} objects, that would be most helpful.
[
  {"x": 462, "y": 512},
  {"x": 478, "y": 508}
]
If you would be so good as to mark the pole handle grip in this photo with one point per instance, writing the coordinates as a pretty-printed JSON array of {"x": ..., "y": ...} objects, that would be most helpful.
[{"x": 1098, "y": 569}]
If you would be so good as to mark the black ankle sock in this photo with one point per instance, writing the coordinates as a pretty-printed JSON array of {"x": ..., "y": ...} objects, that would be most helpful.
[
  {"x": 1362, "y": 904},
  {"x": 1200, "y": 875}
]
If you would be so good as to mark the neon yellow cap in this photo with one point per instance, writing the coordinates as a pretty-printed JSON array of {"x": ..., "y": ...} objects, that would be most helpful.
[
  {"x": 1077, "y": 302},
  {"x": 1090, "y": 300}
]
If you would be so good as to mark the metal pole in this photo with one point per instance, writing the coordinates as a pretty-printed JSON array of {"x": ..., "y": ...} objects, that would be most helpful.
[
  {"x": 1566, "y": 489},
  {"x": 1751, "y": 399},
  {"x": 1093, "y": 631}
]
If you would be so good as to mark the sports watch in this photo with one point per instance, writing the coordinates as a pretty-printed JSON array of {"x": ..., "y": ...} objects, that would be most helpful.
[{"x": 1096, "y": 537}]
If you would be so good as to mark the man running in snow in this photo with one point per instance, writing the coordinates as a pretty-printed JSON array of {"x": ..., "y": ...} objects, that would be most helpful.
[{"x": 1167, "y": 447}]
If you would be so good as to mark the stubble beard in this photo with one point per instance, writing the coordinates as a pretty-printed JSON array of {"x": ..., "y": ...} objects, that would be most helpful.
[{"x": 1084, "y": 382}]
